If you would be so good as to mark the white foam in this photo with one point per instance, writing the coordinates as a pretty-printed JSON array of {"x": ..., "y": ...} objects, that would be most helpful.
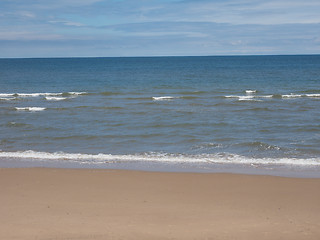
[
  {"x": 55, "y": 98},
  {"x": 51, "y": 94},
  {"x": 291, "y": 95},
  {"x": 7, "y": 98},
  {"x": 29, "y": 94},
  {"x": 77, "y": 93},
  {"x": 37, "y": 94},
  {"x": 163, "y": 98},
  {"x": 31, "y": 109},
  {"x": 251, "y": 96},
  {"x": 246, "y": 98},
  {"x": 231, "y": 96},
  {"x": 222, "y": 158},
  {"x": 313, "y": 95},
  {"x": 243, "y": 98},
  {"x": 48, "y": 96},
  {"x": 251, "y": 91},
  {"x": 6, "y": 94}
]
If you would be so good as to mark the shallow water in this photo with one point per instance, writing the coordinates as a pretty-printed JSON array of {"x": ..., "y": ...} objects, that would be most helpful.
[{"x": 190, "y": 111}]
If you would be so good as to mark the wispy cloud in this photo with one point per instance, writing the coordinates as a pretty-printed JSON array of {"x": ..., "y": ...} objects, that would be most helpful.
[
  {"x": 26, "y": 35},
  {"x": 67, "y": 23},
  {"x": 158, "y": 27}
]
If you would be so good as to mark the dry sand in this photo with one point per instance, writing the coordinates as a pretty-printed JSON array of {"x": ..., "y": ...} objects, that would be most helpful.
[{"x": 49, "y": 204}]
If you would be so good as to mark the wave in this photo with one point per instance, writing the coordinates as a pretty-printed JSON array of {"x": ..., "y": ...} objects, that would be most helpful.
[
  {"x": 312, "y": 95},
  {"x": 208, "y": 146},
  {"x": 291, "y": 95},
  {"x": 163, "y": 98},
  {"x": 41, "y": 94},
  {"x": 218, "y": 158},
  {"x": 244, "y": 98},
  {"x": 7, "y": 98},
  {"x": 247, "y": 98},
  {"x": 7, "y": 94},
  {"x": 259, "y": 145},
  {"x": 30, "y": 109},
  {"x": 77, "y": 93},
  {"x": 252, "y": 97},
  {"x": 36, "y": 94},
  {"x": 55, "y": 98},
  {"x": 251, "y": 91}
]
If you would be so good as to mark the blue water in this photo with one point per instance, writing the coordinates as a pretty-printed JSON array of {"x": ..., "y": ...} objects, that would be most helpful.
[{"x": 193, "y": 111}]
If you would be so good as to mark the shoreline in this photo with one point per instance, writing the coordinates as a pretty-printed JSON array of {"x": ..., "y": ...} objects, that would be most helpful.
[
  {"x": 277, "y": 170},
  {"x": 51, "y": 203}
]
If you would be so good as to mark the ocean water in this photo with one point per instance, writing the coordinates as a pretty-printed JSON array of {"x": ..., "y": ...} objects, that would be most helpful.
[{"x": 164, "y": 113}]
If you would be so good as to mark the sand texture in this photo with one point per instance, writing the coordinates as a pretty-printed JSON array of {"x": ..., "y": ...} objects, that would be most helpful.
[{"x": 50, "y": 204}]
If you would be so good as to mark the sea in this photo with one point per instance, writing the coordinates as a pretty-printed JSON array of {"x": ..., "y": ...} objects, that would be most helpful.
[{"x": 238, "y": 114}]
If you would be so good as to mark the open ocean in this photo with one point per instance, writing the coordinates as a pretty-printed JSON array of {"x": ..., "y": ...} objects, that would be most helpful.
[{"x": 258, "y": 114}]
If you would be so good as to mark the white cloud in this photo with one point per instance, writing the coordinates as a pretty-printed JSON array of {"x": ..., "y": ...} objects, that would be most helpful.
[
  {"x": 146, "y": 27},
  {"x": 164, "y": 34},
  {"x": 27, "y": 35},
  {"x": 26, "y": 14},
  {"x": 68, "y": 23},
  {"x": 49, "y": 4},
  {"x": 241, "y": 11},
  {"x": 17, "y": 14}
]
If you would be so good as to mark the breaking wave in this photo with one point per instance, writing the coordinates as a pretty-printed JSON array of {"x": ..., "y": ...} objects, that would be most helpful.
[
  {"x": 163, "y": 98},
  {"x": 252, "y": 97},
  {"x": 30, "y": 109},
  {"x": 55, "y": 98},
  {"x": 41, "y": 94},
  {"x": 218, "y": 158}
]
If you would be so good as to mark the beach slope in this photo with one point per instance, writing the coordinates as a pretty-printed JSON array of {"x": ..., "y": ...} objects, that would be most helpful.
[{"x": 37, "y": 203}]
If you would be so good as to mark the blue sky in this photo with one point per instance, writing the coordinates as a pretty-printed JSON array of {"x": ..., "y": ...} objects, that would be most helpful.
[{"x": 106, "y": 28}]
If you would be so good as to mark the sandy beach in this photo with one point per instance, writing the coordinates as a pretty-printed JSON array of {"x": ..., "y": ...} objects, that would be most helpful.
[{"x": 43, "y": 204}]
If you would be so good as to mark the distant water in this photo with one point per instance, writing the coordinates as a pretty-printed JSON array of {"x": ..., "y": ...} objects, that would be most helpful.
[{"x": 179, "y": 112}]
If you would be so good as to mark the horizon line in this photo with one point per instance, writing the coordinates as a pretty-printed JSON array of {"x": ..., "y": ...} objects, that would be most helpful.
[{"x": 160, "y": 56}]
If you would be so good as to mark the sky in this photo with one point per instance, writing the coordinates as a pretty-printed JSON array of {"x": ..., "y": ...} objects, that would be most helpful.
[{"x": 111, "y": 28}]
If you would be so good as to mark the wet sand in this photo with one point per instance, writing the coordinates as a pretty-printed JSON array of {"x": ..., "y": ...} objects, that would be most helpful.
[{"x": 47, "y": 204}]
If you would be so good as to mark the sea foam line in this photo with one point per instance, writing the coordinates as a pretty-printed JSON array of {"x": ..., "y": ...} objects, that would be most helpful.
[
  {"x": 6, "y": 94},
  {"x": 251, "y": 96},
  {"x": 313, "y": 95},
  {"x": 77, "y": 93},
  {"x": 251, "y": 91},
  {"x": 244, "y": 98},
  {"x": 40, "y": 94},
  {"x": 222, "y": 158},
  {"x": 7, "y": 98},
  {"x": 163, "y": 98},
  {"x": 37, "y": 94},
  {"x": 55, "y": 98},
  {"x": 291, "y": 95},
  {"x": 31, "y": 109}
]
